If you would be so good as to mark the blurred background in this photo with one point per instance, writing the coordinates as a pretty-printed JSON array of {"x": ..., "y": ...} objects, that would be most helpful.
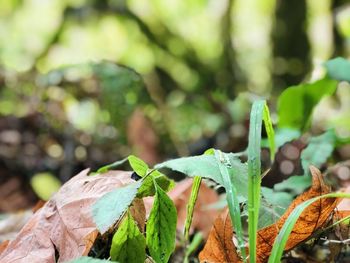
[{"x": 84, "y": 83}]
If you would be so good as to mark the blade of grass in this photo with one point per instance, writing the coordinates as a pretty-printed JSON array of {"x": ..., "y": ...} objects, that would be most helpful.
[
  {"x": 190, "y": 206},
  {"x": 196, "y": 242},
  {"x": 232, "y": 200},
  {"x": 259, "y": 113},
  {"x": 269, "y": 131},
  {"x": 282, "y": 238}
]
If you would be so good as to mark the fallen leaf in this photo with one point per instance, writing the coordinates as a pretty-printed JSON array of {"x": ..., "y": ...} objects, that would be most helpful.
[
  {"x": 313, "y": 217},
  {"x": 219, "y": 246},
  {"x": 64, "y": 224},
  {"x": 138, "y": 212},
  {"x": 3, "y": 245}
]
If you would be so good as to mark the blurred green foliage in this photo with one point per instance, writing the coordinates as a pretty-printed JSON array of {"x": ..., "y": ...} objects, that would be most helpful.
[{"x": 201, "y": 64}]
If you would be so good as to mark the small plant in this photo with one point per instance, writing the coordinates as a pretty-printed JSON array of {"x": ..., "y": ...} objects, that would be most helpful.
[
  {"x": 241, "y": 181},
  {"x": 120, "y": 213}
]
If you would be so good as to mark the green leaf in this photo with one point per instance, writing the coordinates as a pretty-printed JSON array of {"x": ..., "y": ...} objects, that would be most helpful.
[
  {"x": 339, "y": 69},
  {"x": 139, "y": 166},
  {"x": 295, "y": 105},
  {"x": 193, "y": 246},
  {"x": 273, "y": 206},
  {"x": 254, "y": 174},
  {"x": 201, "y": 165},
  {"x": 109, "y": 208},
  {"x": 227, "y": 174},
  {"x": 206, "y": 166},
  {"x": 148, "y": 189},
  {"x": 89, "y": 260},
  {"x": 191, "y": 203},
  {"x": 320, "y": 148},
  {"x": 283, "y": 235},
  {"x": 295, "y": 184},
  {"x": 128, "y": 243},
  {"x": 269, "y": 131},
  {"x": 111, "y": 166},
  {"x": 161, "y": 227}
]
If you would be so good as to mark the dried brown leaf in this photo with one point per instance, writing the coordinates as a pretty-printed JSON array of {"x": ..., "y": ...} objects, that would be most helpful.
[
  {"x": 65, "y": 222},
  {"x": 312, "y": 218},
  {"x": 138, "y": 212},
  {"x": 219, "y": 246}
]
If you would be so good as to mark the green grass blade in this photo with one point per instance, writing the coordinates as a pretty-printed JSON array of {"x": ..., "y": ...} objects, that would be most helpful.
[
  {"x": 283, "y": 235},
  {"x": 269, "y": 131},
  {"x": 232, "y": 199},
  {"x": 195, "y": 244},
  {"x": 191, "y": 203},
  {"x": 254, "y": 174}
]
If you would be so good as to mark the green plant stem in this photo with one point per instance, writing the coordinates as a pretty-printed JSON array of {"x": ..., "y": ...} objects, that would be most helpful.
[
  {"x": 254, "y": 175},
  {"x": 190, "y": 206},
  {"x": 197, "y": 240},
  {"x": 232, "y": 200}
]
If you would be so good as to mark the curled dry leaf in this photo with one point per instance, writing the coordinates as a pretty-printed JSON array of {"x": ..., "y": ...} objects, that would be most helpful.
[
  {"x": 312, "y": 218},
  {"x": 220, "y": 246},
  {"x": 65, "y": 222}
]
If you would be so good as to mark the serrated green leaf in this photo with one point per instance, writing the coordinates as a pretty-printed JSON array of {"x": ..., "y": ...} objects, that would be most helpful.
[
  {"x": 161, "y": 227},
  {"x": 90, "y": 260},
  {"x": 110, "y": 207},
  {"x": 320, "y": 148},
  {"x": 339, "y": 69},
  {"x": 139, "y": 166},
  {"x": 206, "y": 166},
  {"x": 295, "y": 105},
  {"x": 128, "y": 243}
]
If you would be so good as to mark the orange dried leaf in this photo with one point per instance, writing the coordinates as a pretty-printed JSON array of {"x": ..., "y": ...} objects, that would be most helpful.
[
  {"x": 312, "y": 218},
  {"x": 220, "y": 246},
  {"x": 65, "y": 222}
]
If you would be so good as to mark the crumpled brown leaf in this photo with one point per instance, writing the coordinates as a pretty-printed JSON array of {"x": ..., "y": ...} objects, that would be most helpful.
[
  {"x": 65, "y": 222},
  {"x": 312, "y": 218},
  {"x": 219, "y": 246}
]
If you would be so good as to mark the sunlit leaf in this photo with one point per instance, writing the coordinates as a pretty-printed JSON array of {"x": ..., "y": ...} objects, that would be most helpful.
[
  {"x": 139, "y": 166},
  {"x": 206, "y": 166},
  {"x": 161, "y": 227},
  {"x": 339, "y": 69},
  {"x": 295, "y": 105},
  {"x": 109, "y": 208}
]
